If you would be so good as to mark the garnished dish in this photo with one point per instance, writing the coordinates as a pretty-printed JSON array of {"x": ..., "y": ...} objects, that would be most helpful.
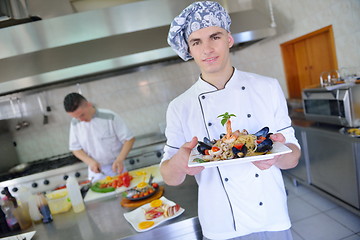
[
  {"x": 109, "y": 184},
  {"x": 152, "y": 214},
  {"x": 351, "y": 131},
  {"x": 235, "y": 145},
  {"x": 141, "y": 191}
]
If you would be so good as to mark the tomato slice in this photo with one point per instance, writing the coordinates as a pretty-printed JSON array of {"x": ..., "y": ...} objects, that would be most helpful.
[
  {"x": 215, "y": 149},
  {"x": 239, "y": 146}
]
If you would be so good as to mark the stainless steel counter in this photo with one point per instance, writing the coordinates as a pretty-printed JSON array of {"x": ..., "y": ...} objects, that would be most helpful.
[{"x": 104, "y": 220}]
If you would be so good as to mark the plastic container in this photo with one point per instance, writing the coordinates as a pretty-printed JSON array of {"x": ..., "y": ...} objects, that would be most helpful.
[
  {"x": 23, "y": 216},
  {"x": 58, "y": 201},
  {"x": 11, "y": 220},
  {"x": 34, "y": 210},
  {"x": 74, "y": 193}
]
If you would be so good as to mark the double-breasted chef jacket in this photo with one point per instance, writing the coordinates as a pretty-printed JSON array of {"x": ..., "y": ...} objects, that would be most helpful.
[{"x": 238, "y": 199}]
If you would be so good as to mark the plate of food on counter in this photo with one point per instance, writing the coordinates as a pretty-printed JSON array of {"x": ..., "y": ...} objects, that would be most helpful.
[
  {"x": 350, "y": 131},
  {"x": 235, "y": 147},
  {"x": 153, "y": 214},
  {"x": 142, "y": 190}
]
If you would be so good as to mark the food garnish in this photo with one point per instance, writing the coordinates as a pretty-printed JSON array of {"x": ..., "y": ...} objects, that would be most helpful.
[
  {"x": 145, "y": 224},
  {"x": 234, "y": 144},
  {"x": 156, "y": 203}
]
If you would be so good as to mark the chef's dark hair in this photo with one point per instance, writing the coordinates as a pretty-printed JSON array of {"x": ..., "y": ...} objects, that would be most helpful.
[{"x": 72, "y": 101}]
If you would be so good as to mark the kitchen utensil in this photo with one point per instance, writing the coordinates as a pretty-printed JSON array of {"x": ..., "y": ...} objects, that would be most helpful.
[
  {"x": 45, "y": 116},
  {"x": 22, "y": 123}
]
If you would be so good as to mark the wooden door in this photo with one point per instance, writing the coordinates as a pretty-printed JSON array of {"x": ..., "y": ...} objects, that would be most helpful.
[{"x": 306, "y": 57}]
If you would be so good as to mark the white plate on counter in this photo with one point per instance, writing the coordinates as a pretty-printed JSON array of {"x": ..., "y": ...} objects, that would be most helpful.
[
  {"x": 136, "y": 216},
  {"x": 26, "y": 236},
  {"x": 278, "y": 149}
]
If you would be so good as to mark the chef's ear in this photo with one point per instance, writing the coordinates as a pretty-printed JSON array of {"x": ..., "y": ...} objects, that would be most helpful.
[{"x": 230, "y": 40}]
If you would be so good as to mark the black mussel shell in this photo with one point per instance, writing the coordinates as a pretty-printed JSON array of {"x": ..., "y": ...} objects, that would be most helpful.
[
  {"x": 202, "y": 147},
  {"x": 208, "y": 142},
  {"x": 240, "y": 152},
  {"x": 265, "y": 145},
  {"x": 262, "y": 132},
  {"x": 222, "y": 135}
]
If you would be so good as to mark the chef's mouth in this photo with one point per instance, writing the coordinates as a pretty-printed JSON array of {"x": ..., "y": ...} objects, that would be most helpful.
[{"x": 210, "y": 59}]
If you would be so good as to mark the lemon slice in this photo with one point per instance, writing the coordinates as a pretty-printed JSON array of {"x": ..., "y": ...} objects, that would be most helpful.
[
  {"x": 145, "y": 224},
  {"x": 142, "y": 185},
  {"x": 156, "y": 203},
  {"x": 139, "y": 173}
]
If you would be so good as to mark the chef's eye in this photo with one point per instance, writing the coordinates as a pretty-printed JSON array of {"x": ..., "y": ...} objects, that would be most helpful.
[{"x": 195, "y": 43}]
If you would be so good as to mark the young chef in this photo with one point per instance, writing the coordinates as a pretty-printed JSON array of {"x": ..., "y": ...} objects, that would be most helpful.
[
  {"x": 240, "y": 201},
  {"x": 98, "y": 137}
]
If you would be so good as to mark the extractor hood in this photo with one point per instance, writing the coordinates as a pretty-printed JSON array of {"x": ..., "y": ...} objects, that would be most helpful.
[{"x": 60, "y": 49}]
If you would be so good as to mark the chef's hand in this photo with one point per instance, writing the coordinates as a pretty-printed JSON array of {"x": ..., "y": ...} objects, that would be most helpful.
[
  {"x": 95, "y": 166},
  {"x": 266, "y": 164},
  {"x": 174, "y": 170},
  {"x": 118, "y": 166}
]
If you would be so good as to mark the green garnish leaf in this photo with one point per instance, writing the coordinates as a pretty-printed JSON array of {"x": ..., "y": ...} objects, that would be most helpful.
[
  {"x": 199, "y": 160},
  {"x": 225, "y": 117}
]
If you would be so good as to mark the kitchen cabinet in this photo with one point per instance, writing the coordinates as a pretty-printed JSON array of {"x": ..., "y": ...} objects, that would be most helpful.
[
  {"x": 301, "y": 171},
  {"x": 306, "y": 57},
  {"x": 330, "y": 164},
  {"x": 334, "y": 164}
]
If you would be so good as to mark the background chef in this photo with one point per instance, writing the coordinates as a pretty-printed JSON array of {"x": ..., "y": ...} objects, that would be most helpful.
[{"x": 98, "y": 137}]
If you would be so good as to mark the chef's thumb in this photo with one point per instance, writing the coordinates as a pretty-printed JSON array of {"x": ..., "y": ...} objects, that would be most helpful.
[{"x": 192, "y": 143}]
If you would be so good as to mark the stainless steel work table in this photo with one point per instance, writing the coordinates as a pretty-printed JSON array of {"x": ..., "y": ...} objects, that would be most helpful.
[{"x": 104, "y": 220}]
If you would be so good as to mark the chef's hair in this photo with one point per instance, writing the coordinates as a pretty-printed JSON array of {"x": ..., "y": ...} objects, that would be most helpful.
[{"x": 72, "y": 101}]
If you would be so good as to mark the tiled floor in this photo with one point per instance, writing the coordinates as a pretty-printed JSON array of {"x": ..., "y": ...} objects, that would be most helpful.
[{"x": 314, "y": 217}]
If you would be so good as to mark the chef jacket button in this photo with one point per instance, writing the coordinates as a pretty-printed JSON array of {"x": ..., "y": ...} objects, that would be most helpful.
[
  {"x": 209, "y": 124},
  {"x": 226, "y": 179},
  {"x": 249, "y": 115},
  {"x": 243, "y": 87},
  {"x": 203, "y": 97},
  {"x": 260, "y": 203},
  {"x": 256, "y": 175}
]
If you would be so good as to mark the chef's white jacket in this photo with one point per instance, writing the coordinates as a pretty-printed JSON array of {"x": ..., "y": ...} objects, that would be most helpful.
[
  {"x": 102, "y": 138},
  {"x": 239, "y": 199}
]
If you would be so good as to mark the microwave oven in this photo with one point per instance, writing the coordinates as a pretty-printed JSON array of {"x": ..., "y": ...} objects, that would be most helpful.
[{"x": 339, "y": 105}]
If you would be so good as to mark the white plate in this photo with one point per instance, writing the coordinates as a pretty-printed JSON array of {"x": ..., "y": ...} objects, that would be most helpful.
[
  {"x": 278, "y": 149},
  {"x": 136, "y": 216},
  {"x": 26, "y": 236}
]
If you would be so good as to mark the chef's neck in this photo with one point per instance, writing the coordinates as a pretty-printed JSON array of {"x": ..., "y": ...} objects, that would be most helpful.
[{"x": 218, "y": 79}]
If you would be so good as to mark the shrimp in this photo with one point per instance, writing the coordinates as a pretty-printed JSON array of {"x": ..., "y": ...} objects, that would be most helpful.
[{"x": 229, "y": 136}]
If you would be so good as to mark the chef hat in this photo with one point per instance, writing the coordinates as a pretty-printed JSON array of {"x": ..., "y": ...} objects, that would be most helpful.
[{"x": 196, "y": 16}]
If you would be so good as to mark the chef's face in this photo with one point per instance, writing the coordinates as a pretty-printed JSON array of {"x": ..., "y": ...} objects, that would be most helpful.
[
  {"x": 210, "y": 49},
  {"x": 84, "y": 112}
]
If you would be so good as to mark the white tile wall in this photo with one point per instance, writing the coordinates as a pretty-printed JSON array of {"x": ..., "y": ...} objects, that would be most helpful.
[{"x": 141, "y": 98}]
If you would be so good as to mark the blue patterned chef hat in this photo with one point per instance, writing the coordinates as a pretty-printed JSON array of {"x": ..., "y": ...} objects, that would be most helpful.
[{"x": 196, "y": 16}]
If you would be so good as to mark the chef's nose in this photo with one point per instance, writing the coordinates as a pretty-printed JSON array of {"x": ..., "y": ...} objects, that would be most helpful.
[{"x": 208, "y": 48}]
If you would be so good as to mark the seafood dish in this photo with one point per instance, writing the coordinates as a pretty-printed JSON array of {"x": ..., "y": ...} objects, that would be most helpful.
[{"x": 235, "y": 144}]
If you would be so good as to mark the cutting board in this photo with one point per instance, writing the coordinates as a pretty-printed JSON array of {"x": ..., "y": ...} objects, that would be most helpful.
[
  {"x": 138, "y": 176},
  {"x": 134, "y": 204}
]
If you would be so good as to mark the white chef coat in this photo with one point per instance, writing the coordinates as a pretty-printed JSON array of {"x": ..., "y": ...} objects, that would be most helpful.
[
  {"x": 102, "y": 138},
  {"x": 239, "y": 199}
]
